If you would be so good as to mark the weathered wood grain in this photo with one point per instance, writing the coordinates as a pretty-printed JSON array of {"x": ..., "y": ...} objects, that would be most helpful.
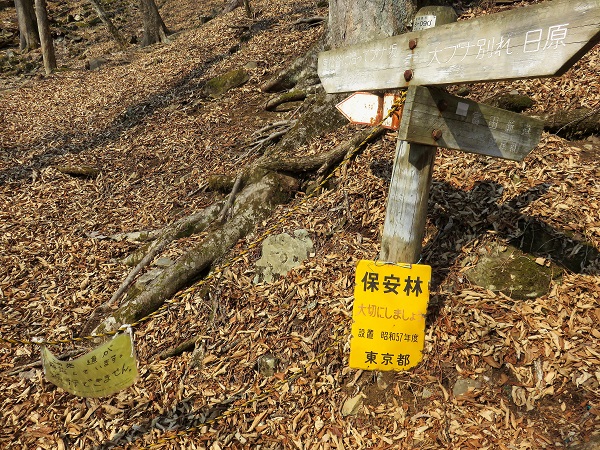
[
  {"x": 534, "y": 41},
  {"x": 466, "y": 125}
]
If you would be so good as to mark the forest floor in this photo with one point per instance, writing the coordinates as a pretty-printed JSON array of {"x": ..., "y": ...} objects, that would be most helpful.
[{"x": 143, "y": 122}]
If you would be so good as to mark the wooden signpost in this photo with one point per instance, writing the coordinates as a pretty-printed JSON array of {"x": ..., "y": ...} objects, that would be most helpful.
[{"x": 535, "y": 41}]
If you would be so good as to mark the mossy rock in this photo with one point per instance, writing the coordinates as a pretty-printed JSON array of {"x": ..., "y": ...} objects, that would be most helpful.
[
  {"x": 508, "y": 270},
  {"x": 218, "y": 86},
  {"x": 511, "y": 102}
]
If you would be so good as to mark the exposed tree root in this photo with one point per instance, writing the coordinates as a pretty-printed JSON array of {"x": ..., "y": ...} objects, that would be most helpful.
[
  {"x": 184, "y": 227},
  {"x": 310, "y": 21},
  {"x": 301, "y": 73},
  {"x": 573, "y": 124},
  {"x": 288, "y": 97},
  {"x": 253, "y": 204}
]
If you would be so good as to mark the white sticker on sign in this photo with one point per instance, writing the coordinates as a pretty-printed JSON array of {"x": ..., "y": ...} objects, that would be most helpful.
[
  {"x": 462, "y": 109},
  {"x": 104, "y": 371},
  {"x": 423, "y": 22}
]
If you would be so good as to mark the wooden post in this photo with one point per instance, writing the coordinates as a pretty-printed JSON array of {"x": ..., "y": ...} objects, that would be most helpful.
[
  {"x": 45, "y": 36},
  {"x": 406, "y": 211}
]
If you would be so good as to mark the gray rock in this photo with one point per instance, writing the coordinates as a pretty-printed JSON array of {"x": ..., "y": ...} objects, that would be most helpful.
[
  {"x": 218, "y": 86},
  {"x": 508, "y": 270},
  {"x": 427, "y": 393},
  {"x": 95, "y": 63},
  {"x": 281, "y": 253}
]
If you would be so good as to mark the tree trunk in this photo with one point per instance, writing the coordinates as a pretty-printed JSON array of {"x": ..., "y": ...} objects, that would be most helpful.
[
  {"x": 114, "y": 31},
  {"x": 28, "y": 32},
  {"x": 353, "y": 21},
  {"x": 154, "y": 28},
  {"x": 350, "y": 22},
  {"x": 45, "y": 36}
]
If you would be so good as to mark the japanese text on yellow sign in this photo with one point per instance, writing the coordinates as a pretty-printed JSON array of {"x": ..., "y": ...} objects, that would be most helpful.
[
  {"x": 390, "y": 304},
  {"x": 105, "y": 370}
]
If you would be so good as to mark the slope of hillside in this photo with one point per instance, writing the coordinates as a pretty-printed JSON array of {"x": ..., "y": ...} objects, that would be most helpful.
[{"x": 143, "y": 122}]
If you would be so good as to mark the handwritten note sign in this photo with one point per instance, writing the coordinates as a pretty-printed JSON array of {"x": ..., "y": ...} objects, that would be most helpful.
[
  {"x": 105, "y": 370},
  {"x": 390, "y": 303}
]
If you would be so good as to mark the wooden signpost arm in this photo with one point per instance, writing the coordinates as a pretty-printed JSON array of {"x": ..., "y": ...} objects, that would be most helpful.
[{"x": 535, "y": 41}]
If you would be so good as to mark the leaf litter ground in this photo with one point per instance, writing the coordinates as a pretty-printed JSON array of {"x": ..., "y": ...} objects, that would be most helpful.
[{"x": 143, "y": 122}]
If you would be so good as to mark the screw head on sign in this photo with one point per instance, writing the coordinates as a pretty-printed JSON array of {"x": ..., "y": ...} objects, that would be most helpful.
[
  {"x": 436, "y": 135},
  {"x": 408, "y": 74},
  {"x": 412, "y": 44}
]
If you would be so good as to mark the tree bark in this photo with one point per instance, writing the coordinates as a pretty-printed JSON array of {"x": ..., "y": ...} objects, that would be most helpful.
[
  {"x": 573, "y": 124},
  {"x": 354, "y": 21},
  {"x": 45, "y": 36},
  {"x": 350, "y": 22},
  {"x": 114, "y": 31},
  {"x": 155, "y": 30},
  {"x": 28, "y": 32}
]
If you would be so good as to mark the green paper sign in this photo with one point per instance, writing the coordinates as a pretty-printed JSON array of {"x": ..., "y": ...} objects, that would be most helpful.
[{"x": 104, "y": 371}]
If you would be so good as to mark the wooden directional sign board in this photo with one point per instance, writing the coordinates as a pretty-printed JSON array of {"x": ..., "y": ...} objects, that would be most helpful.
[
  {"x": 535, "y": 41},
  {"x": 434, "y": 117}
]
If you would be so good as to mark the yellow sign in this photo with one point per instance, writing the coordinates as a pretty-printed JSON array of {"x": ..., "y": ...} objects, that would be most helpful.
[
  {"x": 105, "y": 370},
  {"x": 390, "y": 304}
]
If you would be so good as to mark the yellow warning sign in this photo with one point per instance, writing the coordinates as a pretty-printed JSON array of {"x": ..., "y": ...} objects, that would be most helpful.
[
  {"x": 105, "y": 370},
  {"x": 390, "y": 304}
]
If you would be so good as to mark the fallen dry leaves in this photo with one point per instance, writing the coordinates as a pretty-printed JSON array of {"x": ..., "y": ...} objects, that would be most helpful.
[{"x": 155, "y": 140}]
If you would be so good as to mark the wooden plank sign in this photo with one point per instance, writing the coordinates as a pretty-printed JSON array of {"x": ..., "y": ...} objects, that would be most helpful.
[
  {"x": 364, "y": 108},
  {"x": 535, "y": 41},
  {"x": 434, "y": 117}
]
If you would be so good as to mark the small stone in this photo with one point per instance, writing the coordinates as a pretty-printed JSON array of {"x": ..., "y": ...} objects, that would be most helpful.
[
  {"x": 95, "y": 63},
  {"x": 464, "y": 385},
  {"x": 463, "y": 91},
  {"x": 251, "y": 65},
  {"x": 267, "y": 364},
  {"x": 427, "y": 393},
  {"x": 30, "y": 374},
  {"x": 164, "y": 262},
  {"x": 281, "y": 253},
  {"x": 383, "y": 381},
  {"x": 352, "y": 405}
]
